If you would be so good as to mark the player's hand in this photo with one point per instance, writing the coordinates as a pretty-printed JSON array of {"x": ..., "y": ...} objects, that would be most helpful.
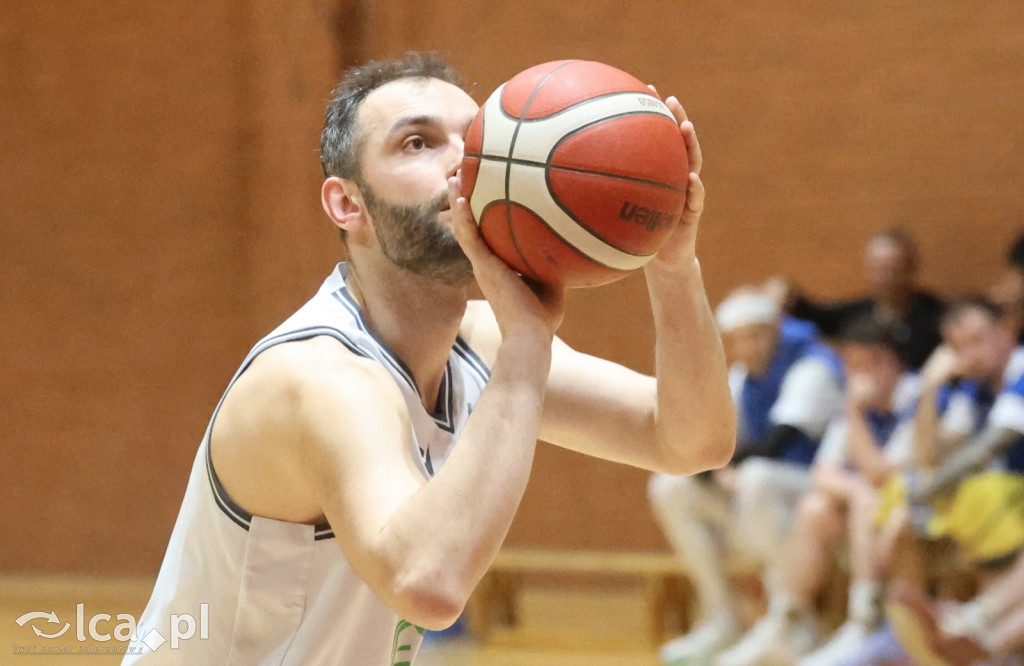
[
  {"x": 861, "y": 391},
  {"x": 680, "y": 250},
  {"x": 516, "y": 302},
  {"x": 940, "y": 367}
]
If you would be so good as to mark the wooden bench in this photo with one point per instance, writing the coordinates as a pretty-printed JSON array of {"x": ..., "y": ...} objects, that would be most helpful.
[{"x": 665, "y": 594}]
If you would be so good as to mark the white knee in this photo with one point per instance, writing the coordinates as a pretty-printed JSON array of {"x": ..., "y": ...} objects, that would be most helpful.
[
  {"x": 667, "y": 491},
  {"x": 754, "y": 478}
]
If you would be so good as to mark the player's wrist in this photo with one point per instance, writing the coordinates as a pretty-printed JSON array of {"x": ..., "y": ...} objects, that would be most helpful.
[
  {"x": 674, "y": 278},
  {"x": 527, "y": 346},
  {"x": 685, "y": 266}
]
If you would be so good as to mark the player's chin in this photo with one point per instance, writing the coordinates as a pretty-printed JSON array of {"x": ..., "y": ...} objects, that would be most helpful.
[{"x": 455, "y": 268}]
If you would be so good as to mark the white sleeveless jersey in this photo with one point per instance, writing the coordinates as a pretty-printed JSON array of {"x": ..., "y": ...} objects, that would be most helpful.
[{"x": 262, "y": 591}]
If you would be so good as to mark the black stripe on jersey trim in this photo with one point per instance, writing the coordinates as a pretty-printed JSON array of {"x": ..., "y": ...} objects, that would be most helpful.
[
  {"x": 463, "y": 349},
  {"x": 322, "y": 531},
  {"x": 442, "y": 414},
  {"x": 240, "y": 516},
  {"x": 343, "y": 297},
  {"x": 444, "y": 408},
  {"x": 232, "y": 510}
]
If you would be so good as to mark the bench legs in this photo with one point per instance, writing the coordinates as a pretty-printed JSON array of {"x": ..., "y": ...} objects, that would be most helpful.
[{"x": 666, "y": 598}]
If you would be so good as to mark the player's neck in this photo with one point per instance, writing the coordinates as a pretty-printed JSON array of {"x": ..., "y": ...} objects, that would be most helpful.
[{"x": 417, "y": 319}]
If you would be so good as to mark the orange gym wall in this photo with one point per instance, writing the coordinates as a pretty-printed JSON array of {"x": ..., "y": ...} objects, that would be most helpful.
[{"x": 160, "y": 185}]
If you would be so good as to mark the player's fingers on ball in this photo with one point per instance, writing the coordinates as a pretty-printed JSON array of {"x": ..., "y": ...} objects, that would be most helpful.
[
  {"x": 654, "y": 91},
  {"x": 693, "y": 151},
  {"x": 465, "y": 228},
  {"x": 695, "y": 194},
  {"x": 467, "y": 233},
  {"x": 454, "y": 189},
  {"x": 672, "y": 102}
]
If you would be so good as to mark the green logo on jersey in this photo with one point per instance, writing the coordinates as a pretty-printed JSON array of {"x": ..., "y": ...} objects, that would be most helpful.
[{"x": 401, "y": 650}]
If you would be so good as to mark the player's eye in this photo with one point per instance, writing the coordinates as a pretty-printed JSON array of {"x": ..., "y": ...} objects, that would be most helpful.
[{"x": 414, "y": 143}]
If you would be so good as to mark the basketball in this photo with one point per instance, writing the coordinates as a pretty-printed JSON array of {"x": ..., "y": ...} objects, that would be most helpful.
[{"x": 576, "y": 173}]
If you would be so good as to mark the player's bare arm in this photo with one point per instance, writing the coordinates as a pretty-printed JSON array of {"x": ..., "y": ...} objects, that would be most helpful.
[
  {"x": 929, "y": 439},
  {"x": 865, "y": 449},
  {"x": 332, "y": 430},
  {"x": 314, "y": 431},
  {"x": 682, "y": 421}
]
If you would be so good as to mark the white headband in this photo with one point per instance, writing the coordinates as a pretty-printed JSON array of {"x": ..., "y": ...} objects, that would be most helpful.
[{"x": 745, "y": 309}]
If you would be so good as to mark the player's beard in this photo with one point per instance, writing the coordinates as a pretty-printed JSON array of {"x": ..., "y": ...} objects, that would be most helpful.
[{"x": 412, "y": 238}]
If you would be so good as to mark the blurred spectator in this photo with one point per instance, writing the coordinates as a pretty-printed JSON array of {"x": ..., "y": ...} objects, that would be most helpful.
[
  {"x": 787, "y": 387},
  {"x": 1008, "y": 290},
  {"x": 969, "y": 435},
  {"x": 988, "y": 627},
  {"x": 860, "y": 451},
  {"x": 890, "y": 265}
]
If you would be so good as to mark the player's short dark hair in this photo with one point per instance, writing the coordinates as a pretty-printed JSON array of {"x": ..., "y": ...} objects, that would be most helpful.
[
  {"x": 1015, "y": 257},
  {"x": 962, "y": 305},
  {"x": 340, "y": 143},
  {"x": 870, "y": 331}
]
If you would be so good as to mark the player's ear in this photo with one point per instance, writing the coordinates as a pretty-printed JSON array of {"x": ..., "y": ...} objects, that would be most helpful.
[{"x": 343, "y": 203}]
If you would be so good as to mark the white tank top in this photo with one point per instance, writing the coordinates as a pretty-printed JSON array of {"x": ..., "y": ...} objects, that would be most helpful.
[{"x": 263, "y": 591}]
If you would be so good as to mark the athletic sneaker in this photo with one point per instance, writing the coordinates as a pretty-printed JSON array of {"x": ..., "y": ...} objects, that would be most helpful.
[
  {"x": 847, "y": 640},
  {"x": 699, "y": 647},
  {"x": 781, "y": 637}
]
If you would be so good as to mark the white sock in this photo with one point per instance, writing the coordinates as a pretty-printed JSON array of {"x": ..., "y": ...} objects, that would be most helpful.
[
  {"x": 865, "y": 606},
  {"x": 784, "y": 605}
]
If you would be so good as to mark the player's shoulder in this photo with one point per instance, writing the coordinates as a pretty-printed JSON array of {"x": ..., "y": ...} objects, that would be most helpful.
[
  {"x": 320, "y": 367},
  {"x": 812, "y": 368},
  {"x": 1014, "y": 373}
]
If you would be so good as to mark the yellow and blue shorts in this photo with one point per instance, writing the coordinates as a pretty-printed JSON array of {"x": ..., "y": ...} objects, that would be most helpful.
[{"x": 985, "y": 516}]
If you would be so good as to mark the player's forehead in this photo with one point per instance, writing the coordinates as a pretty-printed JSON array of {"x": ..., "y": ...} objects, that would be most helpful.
[
  {"x": 882, "y": 248},
  {"x": 426, "y": 100},
  {"x": 858, "y": 355},
  {"x": 970, "y": 324}
]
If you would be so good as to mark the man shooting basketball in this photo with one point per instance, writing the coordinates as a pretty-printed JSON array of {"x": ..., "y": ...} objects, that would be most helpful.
[{"x": 364, "y": 465}]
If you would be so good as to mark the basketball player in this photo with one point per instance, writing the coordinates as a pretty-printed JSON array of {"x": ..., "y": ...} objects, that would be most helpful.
[
  {"x": 970, "y": 433},
  {"x": 860, "y": 451},
  {"x": 363, "y": 467},
  {"x": 787, "y": 388}
]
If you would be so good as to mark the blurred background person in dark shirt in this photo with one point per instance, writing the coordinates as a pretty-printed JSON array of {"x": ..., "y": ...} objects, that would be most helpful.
[{"x": 895, "y": 298}]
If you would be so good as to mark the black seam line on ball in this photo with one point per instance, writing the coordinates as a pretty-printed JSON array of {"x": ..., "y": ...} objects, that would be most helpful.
[
  {"x": 582, "y": 224},
  {"x": 572, "y": 247},
  {"x": 574, "y": 105},
  {"x": 555, "y": 167},
  {"x": 515, "y": 133}
]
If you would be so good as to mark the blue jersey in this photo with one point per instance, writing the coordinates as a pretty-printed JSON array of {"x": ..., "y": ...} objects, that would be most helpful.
[
  {"x": 798, "y": 341},
  {"x": 969, "y": 406}
]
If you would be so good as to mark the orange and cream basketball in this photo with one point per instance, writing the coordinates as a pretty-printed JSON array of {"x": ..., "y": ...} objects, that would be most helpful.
[{"x": 576, "y": 173}]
